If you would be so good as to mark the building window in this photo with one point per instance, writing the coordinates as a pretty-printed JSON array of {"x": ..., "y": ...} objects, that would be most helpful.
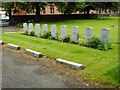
[{"x": 51, "y": 9}]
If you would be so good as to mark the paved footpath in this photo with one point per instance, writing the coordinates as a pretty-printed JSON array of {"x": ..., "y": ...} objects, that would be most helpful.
[
  {"x": 9, "y": 29},
  {"x": 17, "y": 73}
]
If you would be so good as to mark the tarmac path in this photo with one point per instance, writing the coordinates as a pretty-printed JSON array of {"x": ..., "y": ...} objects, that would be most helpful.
[{"x": 18, "y": 71}]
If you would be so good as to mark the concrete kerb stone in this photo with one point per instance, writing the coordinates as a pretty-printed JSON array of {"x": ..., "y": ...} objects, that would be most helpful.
[
  {"x": 73, "y": 65},
  {"x": 33, "y": 53},
  {"x": 1, "y": 42},
  {"x": 12, "y": 46}
]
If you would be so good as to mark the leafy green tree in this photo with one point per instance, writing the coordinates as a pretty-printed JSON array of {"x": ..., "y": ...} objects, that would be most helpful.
[
  {"x": 111, "y": 6},
  {"x": 70, "y": 7},
  {"x": 116, "y": 6},
  {"x": 61, "y": 6},
  {"x": 13, "y": 7},
  {"x": 8, "y": 7},
  {"x": 89, "y": 6},
  {"x": 101, "y": 6},
  {"x": 27, "y": 6},
  {"x": 32, "y": 6},
  {"x": 38, "y": 6}
]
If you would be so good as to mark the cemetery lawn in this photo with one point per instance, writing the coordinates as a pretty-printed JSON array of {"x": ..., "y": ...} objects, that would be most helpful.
[{"x": 100, "y": 66}]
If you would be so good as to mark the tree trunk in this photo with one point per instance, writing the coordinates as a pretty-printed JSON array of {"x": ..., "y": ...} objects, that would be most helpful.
[
  {"x": 88, "y": 12},
  {"x": 37, "y": 12},
  {"x": 10, "y": 16},
  {"x": 99, "y": 11},
  {"x": 84, "y": 12}
]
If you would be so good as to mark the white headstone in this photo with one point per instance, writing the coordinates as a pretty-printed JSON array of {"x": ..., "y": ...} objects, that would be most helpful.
[
  {"x": 25, "y": 27},
  {"x": 30, "y": 27},
  {"x": 88, "y": 33},
  {"x": 37, "y": 27},
  {"x": 45, "y": 28},
  {"x": 63, "y": 31},
  {"x": 53, "y": 30},
  {"x": 75, "y": 34},
  {"x": 104, "y": 35}
]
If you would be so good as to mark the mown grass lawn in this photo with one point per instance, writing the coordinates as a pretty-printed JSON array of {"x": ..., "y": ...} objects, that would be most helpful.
[
  {"x": 96, "y": 24},
  {"x": 101, "y": 66}
]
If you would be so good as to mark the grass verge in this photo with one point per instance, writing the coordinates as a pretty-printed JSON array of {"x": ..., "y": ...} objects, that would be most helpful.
[
  {"x": 97, "y": 62},
  {"x": 101, "y": 66}
]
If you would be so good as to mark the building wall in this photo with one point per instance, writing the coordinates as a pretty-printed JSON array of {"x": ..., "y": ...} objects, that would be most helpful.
[
  {"x": 1, "y": 9},
  {"x": 21, "y": 12},
  {"x": 48, "y": 10}
]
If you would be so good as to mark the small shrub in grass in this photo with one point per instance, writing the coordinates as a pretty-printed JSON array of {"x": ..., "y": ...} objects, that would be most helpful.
[
  {"x": 66, "y": 39},
  {"x": 113, "y": 73},
  {"x": 105, "y": 45},
  {"x": 32, "y": 33},
  {"x": 46, "y": 35},
  {"x": 25, "y": 33},
  {"x": 82, "y": 44},
  {"x": 52, "y": 38},
  {"x": 93, "y": 42}
]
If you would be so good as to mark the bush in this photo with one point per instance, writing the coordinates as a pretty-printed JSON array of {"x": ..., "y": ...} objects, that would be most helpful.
[
  {"x": 113, "y": 73},
  {"x": 32, "y": 33},
  {"x": 53, "y": 38},
  {"x": 93, "y": 42},
  {"x": 82, "y": 44},
  {"x": 66, "y": 39},
  {"x": 26, "y": 33},
  {"x": 105, "y": 46},
  {"x": 46, "y": 35}
]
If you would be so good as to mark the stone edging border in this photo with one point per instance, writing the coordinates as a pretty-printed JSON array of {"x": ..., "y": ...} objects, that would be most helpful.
[
  {"x": 71, "y": 64},
  {"x": 36, "y": 54},
  {"x": 12, "y": 46},
  {"x": 1, "y": 42},
  {"x": 33, "y": 53}
]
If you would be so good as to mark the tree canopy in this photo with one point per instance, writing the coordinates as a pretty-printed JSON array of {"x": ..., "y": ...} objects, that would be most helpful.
[
  {"x": 70, "y": 7},
  {"x": 104, "y": 6},
  {"x": 64, "y": 7}
]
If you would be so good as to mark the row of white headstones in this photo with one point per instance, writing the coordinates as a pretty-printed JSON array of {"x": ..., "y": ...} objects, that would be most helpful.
[{"x": 104, "y": 34}]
